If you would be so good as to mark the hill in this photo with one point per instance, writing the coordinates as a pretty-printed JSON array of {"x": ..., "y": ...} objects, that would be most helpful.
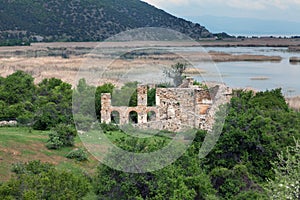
[{"x": 84, "y": 20}]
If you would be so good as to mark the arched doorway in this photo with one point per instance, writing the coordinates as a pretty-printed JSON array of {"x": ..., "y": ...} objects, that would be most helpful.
[
  {"x": 115, "y": 117},
  {"x": 133, "y": 117}
]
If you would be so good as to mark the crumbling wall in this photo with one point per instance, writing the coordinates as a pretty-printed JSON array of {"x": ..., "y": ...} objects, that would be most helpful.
[
  {"x": 175, "y": 108},
  {"x": 181, "y": 106},
  {"x": 142, "y": 110}
]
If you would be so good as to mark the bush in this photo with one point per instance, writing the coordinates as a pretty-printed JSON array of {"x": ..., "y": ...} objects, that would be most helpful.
[
  {"x": 77, "y": 154},
  {"x": 61, "y": 136},
  {"x": 33, "y": 167},
  {"x": 36, "y": 180},
  {"x": 54, "y": 141},
  {"x": 109, "y": 127}
]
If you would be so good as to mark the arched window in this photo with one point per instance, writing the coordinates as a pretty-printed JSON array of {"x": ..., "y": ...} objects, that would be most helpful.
[
  {"x": 133, "y": 117},
  {"x": 151, "y": 116},
  {"x": 115, "y": 117}
]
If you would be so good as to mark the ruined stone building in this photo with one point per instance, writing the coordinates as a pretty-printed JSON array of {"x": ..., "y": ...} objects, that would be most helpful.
[{"x": 176, "y": 108}]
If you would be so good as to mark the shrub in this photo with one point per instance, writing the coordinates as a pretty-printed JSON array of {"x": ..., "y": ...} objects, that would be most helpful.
[
  {"x": 38, "y": 180},
  {"x": 61, "y": 136},
  {"x": 54, "y": 141},
  {"x": 77, "y": 154},
  {"x": 32, "y": 167},
  {"x": 109, "y": 127}
]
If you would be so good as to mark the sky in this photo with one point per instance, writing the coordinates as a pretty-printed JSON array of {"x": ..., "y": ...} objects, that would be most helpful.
[
  {"x": 262, "y": 9},
  {"x": 193, "y": 10}
]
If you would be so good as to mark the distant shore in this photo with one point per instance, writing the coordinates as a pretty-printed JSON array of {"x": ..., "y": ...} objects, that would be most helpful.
[{"x": 291, "y": 43}]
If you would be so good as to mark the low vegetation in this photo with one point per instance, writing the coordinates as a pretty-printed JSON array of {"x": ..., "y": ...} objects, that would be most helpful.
[
  {"x": 36, "y": 180},
  {"x": 256, "y": 156},
  {"x": 78, "y": 154}
]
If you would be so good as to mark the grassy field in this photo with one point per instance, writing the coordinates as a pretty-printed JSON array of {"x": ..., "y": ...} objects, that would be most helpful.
[
  {"x": 19, "y": 144},
  {"x": 23, "y": 145}
]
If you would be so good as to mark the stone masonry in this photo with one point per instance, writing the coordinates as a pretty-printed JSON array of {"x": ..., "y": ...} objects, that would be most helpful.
[{"x": 176, "y": 108}]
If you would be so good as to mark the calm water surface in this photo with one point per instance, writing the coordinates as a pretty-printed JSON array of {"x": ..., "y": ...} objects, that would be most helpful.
[{"x": 240, "y": 74}]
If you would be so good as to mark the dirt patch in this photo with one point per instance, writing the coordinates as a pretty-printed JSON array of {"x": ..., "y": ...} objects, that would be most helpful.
[
  {"x": 14, "y": 154},
  {"x": 11, "y": 152}
]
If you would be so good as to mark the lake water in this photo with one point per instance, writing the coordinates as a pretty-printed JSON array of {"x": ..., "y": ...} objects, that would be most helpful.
[{"x": 240, "y": 74}]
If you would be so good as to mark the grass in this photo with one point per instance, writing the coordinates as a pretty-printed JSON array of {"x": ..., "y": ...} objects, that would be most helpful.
[
  {"x": 18, "y": 144},
  {"x": 20, "y": 135}
]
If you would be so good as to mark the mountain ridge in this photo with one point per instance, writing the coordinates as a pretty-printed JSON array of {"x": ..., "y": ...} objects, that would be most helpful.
[{"x": 85, "y": 20}]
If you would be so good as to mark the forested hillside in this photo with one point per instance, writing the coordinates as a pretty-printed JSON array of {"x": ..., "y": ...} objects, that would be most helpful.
[{"x": 84, "y": 20}]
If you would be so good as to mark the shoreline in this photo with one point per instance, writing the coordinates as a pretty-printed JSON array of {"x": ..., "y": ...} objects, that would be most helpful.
[
  {"x": 254, "y": 42},
  {"x": 292, "y": 43}
]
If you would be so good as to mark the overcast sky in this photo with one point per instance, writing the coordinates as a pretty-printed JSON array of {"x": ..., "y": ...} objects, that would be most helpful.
[{"x": 286, "y": 10}]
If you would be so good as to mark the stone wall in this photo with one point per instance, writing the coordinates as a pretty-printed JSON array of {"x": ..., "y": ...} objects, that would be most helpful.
[
  {"x": 8, "y": 123},
  {"x": 142, "y": 110},
  {"x": 181, "y": 106},
  {"x": 175, "y": 108}
]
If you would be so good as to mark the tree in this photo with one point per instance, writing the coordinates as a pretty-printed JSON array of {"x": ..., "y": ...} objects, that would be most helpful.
[
  {"x": 17, "y": 97},
  {"x": 286, "y": 183},
  {"x": 184, "y": 179},
  {"x": 46, "y": 117},
  {"x": 126, "y": 96},
  {"x": 54, "y": 104},
  {"x": 176, "y": 73},
  {"x": 256, "y": 129},
  {"x": 17, "y": 87},
  {"x": 151, "y": 97}
]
